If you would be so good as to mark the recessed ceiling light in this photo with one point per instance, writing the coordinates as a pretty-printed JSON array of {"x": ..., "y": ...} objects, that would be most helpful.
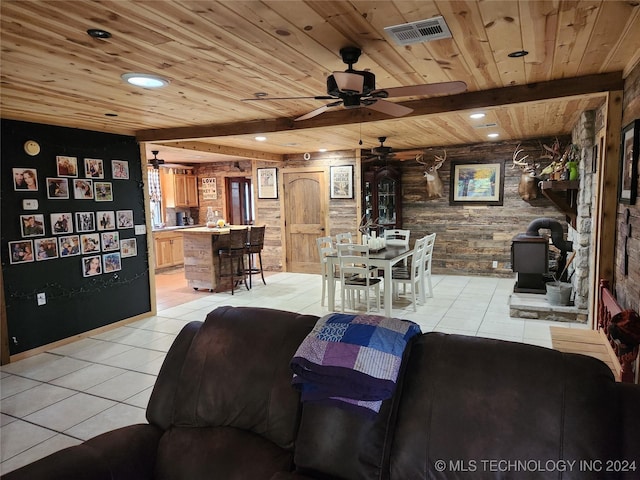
[
  {"x": 477, "y": 115},
  {"x": 518, "y": 53},
  {"x": 260, "y": 138},
  {"x": 145, "y": 80},
  {"x": 322, "y": 149},
  {"x": 493, "y": 135},
  {"x": 98, "y": 33}
]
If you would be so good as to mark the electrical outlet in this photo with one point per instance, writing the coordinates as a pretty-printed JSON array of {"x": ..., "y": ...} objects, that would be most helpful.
[
  {"x": 495, "y": 264},
  {"x": 42, "y": 298}
]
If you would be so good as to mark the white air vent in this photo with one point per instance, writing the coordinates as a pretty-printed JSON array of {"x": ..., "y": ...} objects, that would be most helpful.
[
  {"x": 421, "y": 31},
  {"x": 486, "y": 125}
]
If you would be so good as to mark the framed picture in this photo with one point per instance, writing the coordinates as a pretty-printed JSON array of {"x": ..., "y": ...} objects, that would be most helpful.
[
  {"x": 61, "y": 223},
  {"x": 85, "y": 222},
  {"x": 25, "y": 179},
  {"x": 93, "y": 168},
  {"x": 629, "y": 163},
  {"x": 57, "y": 188},
  {"x": 106, "y": 220},
  {"x": 46, "y": 248},
  {"x": 21, "y": 251},
  {"x": 110, "y": 241},
  {"x": 90, "y": 243},
  {"x": 267, "y": 183},
  {"x": 476, "y": 183},
  {"x": 124, "y": 218},
  {"x": 103, "y": 191},
  {"x": 128, "y": 247},
  {"x": 120, "y": 169},
  {"x": 69, "y": 245},
  {"x": 32, "y": 225},
  {"x": 83, "y": 189},
  {"x": 66, "y": 166},
  {"x": 111, "y": 262},
  {"x": 341, "y": 181},
  {"x": 91, "y": 266}
]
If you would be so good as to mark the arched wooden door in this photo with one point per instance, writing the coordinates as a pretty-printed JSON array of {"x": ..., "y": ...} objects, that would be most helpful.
[{"x": 305, "y": 206}]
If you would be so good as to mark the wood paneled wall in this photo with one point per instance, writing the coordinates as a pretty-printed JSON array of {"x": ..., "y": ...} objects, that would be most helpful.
[
  {"x": 470, "y": 238},
  {"x": 627, "y": 286}
]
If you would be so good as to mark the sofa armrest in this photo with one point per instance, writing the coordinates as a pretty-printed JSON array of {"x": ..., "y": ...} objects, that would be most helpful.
[
  {"x": 629, "y": 421},
  {"x": 161, "y": 404},
  {"x": 125, "y": 453}
]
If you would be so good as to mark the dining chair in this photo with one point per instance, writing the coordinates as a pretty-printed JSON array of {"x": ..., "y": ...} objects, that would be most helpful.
[
  {"x": 345, "y": 237},
  {"x": 411, "y": 275},
  {"x": 426, "y": 270},
  {"x": 355, "y": 274},
  {"x": 397, "y": 238},
  {"x": 325, "y": 247}
]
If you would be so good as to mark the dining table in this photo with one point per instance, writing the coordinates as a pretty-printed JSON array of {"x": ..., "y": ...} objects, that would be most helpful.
[{"x": 383, "y": 259}]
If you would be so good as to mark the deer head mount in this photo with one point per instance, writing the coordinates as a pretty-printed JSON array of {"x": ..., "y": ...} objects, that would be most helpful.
[
  {"x": 528, "y": 186},
  {"x": 435, "y": 187}
]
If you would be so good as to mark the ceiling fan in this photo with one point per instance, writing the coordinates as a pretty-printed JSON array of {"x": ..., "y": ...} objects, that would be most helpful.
[
  {"x": 356, "y": 88},
  {"x": 383, "y": 153},
  {"x": 155, "y": 161}
]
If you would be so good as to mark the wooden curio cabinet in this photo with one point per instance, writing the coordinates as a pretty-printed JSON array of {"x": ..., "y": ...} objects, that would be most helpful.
[{"x": 382, "y": 202}]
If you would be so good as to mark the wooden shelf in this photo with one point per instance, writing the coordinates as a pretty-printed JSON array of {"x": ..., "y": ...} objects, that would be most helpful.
[{"x": 564, "y": 195}]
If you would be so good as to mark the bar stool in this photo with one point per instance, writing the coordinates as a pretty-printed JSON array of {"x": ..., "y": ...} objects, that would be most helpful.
[
  {"x": 255, "y": 243},
  {"x": 234, "y": 252}
]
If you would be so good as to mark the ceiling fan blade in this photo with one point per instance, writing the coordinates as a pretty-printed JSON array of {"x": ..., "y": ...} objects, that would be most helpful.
[
  {"x": 349, "y": 82},
  {"x": 318, "y": 111},
  {"x": 262, "y": 99},
  {"x": 390, "y": 108},
  {"x": 408, "y": 154},
  {"x": 443, "y": 88}
]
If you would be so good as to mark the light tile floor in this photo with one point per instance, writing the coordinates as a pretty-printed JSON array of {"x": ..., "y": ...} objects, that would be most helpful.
[{"x": 71, "y": 393}]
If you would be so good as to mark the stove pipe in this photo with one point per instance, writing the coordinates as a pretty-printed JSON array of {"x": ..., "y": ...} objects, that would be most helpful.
[{"x": 557, "y": 233}]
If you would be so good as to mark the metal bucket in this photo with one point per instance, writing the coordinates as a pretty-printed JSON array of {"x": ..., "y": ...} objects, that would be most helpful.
[{"x": 558, "y": 293}]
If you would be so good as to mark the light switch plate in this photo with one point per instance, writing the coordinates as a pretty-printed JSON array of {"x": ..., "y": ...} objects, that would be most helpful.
[
  {"x": 140, "y": 229},
  {"x": 30, "y": 204}
]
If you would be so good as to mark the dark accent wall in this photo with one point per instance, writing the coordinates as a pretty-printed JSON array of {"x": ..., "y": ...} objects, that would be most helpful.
[{"x": 75, "y": 303}]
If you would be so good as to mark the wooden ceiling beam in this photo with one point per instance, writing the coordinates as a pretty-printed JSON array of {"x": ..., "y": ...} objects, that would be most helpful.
[
  {"x": 195, "y": 146},
  {"x": 553, "y": 89}
]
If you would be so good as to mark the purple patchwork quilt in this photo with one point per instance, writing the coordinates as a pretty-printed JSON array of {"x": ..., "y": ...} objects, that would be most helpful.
[{"x": 352, "y": 360}]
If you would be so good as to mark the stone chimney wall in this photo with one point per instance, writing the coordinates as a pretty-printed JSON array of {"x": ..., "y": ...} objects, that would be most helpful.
[{"x": 584, "y": 136}]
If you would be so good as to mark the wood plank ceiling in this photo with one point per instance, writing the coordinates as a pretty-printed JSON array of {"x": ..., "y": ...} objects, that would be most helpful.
[{"x": 217, "y": 53}]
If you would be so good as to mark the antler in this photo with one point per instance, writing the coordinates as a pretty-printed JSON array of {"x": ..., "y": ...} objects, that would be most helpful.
[
  {"x": 434, "y": 164},
  {"x": 522, "y": 161}
]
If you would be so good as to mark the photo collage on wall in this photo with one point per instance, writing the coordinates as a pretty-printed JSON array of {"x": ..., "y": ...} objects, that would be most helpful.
[{"x": 92, "y": 233}]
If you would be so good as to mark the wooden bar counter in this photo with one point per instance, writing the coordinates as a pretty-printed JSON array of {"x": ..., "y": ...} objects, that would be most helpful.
[{"x": 201, "y": 263}]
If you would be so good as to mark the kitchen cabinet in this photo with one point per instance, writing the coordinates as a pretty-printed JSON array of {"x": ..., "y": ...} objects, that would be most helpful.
[
  {"x": 382, "y": 197},
  {"x": 179, "y": 189},
  {"x": 169, "y": 249}
]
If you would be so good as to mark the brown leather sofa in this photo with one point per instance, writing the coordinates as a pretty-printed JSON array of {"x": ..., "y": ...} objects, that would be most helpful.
[{"x": 465, "y": 407}]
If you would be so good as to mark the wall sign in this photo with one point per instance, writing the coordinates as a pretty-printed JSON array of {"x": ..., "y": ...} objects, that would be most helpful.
[{"x": 209, "y": 189}]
